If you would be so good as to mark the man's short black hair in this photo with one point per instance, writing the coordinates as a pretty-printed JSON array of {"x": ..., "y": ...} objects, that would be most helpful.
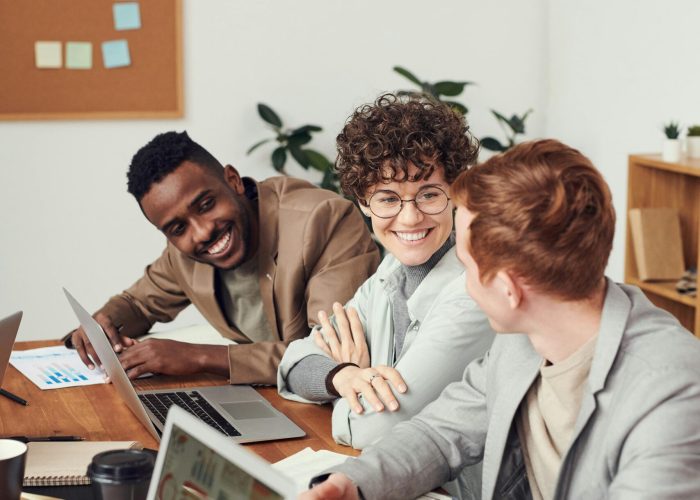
[{"x": 161, "y": 156}]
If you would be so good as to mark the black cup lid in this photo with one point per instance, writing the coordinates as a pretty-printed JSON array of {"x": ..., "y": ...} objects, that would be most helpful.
[{"x": 121, "y": 465}]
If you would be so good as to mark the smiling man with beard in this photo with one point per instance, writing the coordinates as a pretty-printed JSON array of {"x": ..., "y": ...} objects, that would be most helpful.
[{"x": 257, "y": 259}]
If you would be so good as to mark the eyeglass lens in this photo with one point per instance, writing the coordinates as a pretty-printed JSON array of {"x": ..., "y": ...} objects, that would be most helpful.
[{"x": 430, "y": 201}]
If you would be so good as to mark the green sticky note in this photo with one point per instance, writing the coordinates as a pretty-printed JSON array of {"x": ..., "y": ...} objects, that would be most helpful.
[
  {"x": 78, "y": 55},
  {"x": 48, "y": 54},
  {"x": 127, "y": 16}
]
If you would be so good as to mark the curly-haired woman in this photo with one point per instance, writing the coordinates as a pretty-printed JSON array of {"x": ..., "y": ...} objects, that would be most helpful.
[{"x": 411, "y": 328}]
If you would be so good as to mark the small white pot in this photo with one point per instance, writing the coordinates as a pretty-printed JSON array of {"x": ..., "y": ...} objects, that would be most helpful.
[
  {"x": 692, "y": 146},
  {"x": 672, "y": 150}
]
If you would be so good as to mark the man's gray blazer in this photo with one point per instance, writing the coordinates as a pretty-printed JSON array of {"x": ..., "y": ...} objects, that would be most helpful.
[{"x": 637, "y": 434}]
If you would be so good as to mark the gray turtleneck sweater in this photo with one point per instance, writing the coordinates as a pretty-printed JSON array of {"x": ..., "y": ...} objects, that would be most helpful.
[{"x": 308, "y": 377}]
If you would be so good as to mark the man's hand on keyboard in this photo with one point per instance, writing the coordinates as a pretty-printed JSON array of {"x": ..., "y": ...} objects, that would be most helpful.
[{"x": 170, "y": 357}]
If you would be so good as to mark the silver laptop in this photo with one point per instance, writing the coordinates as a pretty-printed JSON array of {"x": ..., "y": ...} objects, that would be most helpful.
[
  {"x": 8, "y": 332},
  {"x": 195, "y": 462},
  {"x": 235, "y": 410}
]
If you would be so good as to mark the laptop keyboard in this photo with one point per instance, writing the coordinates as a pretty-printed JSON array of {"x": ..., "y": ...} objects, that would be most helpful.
[{"x": 190, "y": 401}]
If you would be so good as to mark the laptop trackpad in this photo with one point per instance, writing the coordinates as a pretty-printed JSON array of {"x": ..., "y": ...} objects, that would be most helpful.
[{"x": 252, "y": 409}]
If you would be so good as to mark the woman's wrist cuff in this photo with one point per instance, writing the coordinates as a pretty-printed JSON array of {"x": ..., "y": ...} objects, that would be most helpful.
[{"x": 330, "y": 388}]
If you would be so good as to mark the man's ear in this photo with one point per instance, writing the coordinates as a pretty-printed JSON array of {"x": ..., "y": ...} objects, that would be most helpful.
[
  {"x": 511, "y": 287},
  {"x": 233, "y": 179}
]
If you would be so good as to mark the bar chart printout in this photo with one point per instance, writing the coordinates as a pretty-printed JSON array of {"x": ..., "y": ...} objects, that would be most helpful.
[{"x": 55, "y": 367}]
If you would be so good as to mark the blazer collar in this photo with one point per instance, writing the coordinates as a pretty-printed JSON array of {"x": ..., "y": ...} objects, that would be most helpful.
[
  {"x": 268, "y": 220},
  {"x": 268, "y": 216},
  {"x": 420, "y": 302},
  {"x": 525, "y": 367},
  {"x": 613, "y": 321}
]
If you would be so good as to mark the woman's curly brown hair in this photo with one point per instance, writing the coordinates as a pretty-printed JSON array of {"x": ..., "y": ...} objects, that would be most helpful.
[{"x": 380, "y": 139}]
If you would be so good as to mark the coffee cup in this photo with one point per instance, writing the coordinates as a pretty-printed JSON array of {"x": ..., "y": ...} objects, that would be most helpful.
[
  {"x": 121, "y": 474},
  {"x": 13, "y": 456}
]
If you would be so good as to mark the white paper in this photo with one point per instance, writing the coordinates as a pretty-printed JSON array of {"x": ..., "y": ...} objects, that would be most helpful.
[
  {"x": 195, "y": 334},
  {"x": 307, "y": 463},
  {"x": 304, "y": 465},
  {"x": 55, "y": 367}
]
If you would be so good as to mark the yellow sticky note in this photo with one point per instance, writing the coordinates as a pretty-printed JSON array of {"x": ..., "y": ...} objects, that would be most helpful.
[{"x": 48, "y": 54}]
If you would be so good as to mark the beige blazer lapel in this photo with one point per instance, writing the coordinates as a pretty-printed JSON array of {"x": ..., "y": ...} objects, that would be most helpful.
[{"x": 267, "y": 252}]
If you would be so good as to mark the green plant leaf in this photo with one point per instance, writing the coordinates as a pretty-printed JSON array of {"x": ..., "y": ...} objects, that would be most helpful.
[
  {"x": 506, "y": 121},
  {"x": 450, "y": 89},
  {"x": 268, "y": 115},
  {"x": 516, "y": 124},
  {"x": 492, "y": 144},
  {"x": 407, "y": 74},
  {"x": 298, "y": 139},
  {"x": 257, "y": 145},
  {"x": 279, "y": 158},
  {"x": 457, "y": 106},
  {"x": 300, "y": 156},
  {"x": 500, "y": 117},
  {"x": 306, "y": 128},
  {"x": 318, "y": 160},
  {"x": 330, "y": 181}
]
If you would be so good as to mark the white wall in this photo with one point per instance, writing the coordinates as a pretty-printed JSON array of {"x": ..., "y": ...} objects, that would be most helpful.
[
  {"x": 64, "y": 212},
  {"x": 617, "y": 71}
]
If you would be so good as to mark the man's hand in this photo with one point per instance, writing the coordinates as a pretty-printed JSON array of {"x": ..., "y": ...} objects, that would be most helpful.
[
  {"x": 170, "y": 357},
  {"x": 336, "y": 487},
  {"x": 372, "y": 383},
  {"x": 348, "y": 345},
  {"x": 84, "y": 347}
]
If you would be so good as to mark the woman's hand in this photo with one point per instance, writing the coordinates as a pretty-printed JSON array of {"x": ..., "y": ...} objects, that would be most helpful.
[
  {"x": 374, "y": 385},
  {"x": 348, "y": 344}
]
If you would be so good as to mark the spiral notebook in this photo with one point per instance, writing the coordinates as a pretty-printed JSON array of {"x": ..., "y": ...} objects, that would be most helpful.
[{"x": 65, "y": 463}]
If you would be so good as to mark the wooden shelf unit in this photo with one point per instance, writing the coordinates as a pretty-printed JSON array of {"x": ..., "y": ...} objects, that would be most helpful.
[{"x": 654, "y": 183}]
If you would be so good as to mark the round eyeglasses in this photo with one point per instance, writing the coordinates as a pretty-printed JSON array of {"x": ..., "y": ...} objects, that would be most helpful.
[{"x": 386, "y": 204}]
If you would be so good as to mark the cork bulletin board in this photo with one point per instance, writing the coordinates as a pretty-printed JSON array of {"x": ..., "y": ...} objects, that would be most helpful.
[{"x": 83, "y": 74}]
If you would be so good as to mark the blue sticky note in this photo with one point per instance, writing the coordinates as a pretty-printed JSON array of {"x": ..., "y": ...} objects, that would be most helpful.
[
  {"x": 115, "y": 54},
  {"x": 127, "y": 16}
]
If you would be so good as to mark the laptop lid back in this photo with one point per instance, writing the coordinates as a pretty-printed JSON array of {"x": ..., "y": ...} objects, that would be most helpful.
[
  {"x": 110, "y": 363},
  {"x": 8, "y": 332},
  {"x": 196, "y": 461}
]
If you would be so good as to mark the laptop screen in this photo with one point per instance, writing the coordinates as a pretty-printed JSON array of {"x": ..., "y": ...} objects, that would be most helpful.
[{"x": 193, "y": 471}]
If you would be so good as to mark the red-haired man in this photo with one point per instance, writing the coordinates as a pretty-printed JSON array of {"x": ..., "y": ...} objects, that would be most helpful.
[{"x": 596, "y": 396}]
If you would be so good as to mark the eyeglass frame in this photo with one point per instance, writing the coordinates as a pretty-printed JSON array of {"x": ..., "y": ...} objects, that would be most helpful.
[{"x": 368, "y": 203}]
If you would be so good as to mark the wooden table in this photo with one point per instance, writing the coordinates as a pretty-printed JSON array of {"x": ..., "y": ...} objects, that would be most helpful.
[{"x": 97, "y": 413}]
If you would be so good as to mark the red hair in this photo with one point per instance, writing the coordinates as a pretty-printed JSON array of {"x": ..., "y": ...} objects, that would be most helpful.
[{"x": 542, "y": 211}]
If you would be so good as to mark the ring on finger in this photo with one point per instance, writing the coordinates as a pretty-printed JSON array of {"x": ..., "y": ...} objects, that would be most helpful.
[{"x": 375, "y": 375}]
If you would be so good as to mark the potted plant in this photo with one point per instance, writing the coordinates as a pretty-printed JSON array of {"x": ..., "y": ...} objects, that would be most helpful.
[
  {"x": 672, "y": 146},
  {"x": 692, "y": 142}
]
